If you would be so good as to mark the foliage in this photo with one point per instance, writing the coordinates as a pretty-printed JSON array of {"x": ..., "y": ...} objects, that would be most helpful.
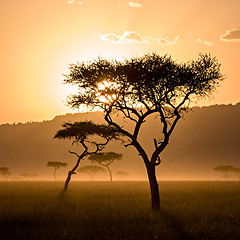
[
  {"x": 226, "y": 169},
  {"x": 83, "y": 133},
  {"x": 122, "y": 173},
  {"x": 91, "y": 170},
  {"x": 29, "y": 175},
  {"x": 105, "y": 158},
  {"x": 56, "y": 165},
  {"x": 5, "y": 172}
]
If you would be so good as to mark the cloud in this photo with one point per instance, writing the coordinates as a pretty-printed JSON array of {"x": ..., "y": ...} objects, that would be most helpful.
[
  {"x": 199, "y": 40},
  {"x": 110, "y": 37},
  {"x": 231, "y": 35},
  {"x": 166, "y": 42},
  {"x": 73, "y": 1},
  {"x": 134, "y": 4},
  {"x": 127, "y": 37}
]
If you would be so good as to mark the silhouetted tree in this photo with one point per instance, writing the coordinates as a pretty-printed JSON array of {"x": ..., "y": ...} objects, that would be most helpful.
[
  {"x": 122, "y": 174},
  {"x": 91, "y": 170},
  {"x": 140, "y": 87},
  {"x": 237, "y": 172},
  {"x": 92, "y": 137},
  {"x": 225, "y": 169},
  {"x": 56, "y": 165},
  {"x": 5, "y": 172},
  {"x": 29, "y": 175},
  {"x": 105, "y": 159}
]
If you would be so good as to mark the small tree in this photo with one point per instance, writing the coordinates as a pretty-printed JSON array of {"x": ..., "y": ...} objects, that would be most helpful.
[
  {"x": 56, "y": 165},
  {"x": 29, "y": 175},
  {"x": 92, "y": 137},
  {"x": 225, "y": 169},
  {"x": 122, "y": 174},
  {"x": 237, "y": 172},
  {"x": 105, "y": 159},
  {"x": 5, "y": 172},
  {"x": 91, "y": 170},
  {"x": 140, "y": 87}
]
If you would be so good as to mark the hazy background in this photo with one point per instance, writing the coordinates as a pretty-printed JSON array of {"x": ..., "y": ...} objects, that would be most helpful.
[{"x": 206, "y": 138}]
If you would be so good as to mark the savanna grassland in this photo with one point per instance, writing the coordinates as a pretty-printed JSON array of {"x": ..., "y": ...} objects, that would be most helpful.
[{"x": 119, "y": 210}]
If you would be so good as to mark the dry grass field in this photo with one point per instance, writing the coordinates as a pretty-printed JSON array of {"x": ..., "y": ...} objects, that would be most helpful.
[{"x": 119, "y": 211}]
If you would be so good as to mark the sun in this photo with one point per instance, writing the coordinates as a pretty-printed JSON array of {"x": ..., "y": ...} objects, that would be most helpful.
[{"x": 104, "y": 88}]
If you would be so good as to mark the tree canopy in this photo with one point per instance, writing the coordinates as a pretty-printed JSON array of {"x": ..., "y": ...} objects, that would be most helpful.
[
  {"x": 139, "y": 87},
  {"x": 92, "y": 137},
  {"x": 105, "y": 159},
  {"x": 91, "y": 170}
]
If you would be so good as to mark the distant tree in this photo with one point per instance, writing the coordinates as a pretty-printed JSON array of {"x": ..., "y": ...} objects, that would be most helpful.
[
  {"x": 225, "y": 169},
  {"x": 29, "y": 175},
  {"x": 140, "y": 87},
  {"x": 122, "y": 174},
  {"x": 5, "y": 172},
  {"x": 92, "y": 137},
  {"x": 56, "y": 165},
  {"x": 105, "y": 159},
  {"x": 91, "y": 170},
  {"x": 237, "y": 172}
]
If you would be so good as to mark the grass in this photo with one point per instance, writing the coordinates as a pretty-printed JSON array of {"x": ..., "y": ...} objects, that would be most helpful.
[{"x": 119, "y": 210}]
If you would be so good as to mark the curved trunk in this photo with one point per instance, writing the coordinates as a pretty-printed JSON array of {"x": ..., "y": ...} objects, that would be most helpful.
[{"x": 71, "y": 172}]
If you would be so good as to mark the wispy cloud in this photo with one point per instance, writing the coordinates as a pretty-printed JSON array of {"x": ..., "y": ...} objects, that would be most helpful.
[
  {"x": 231, "y": 35},
  {"x": 134, "y": 4},
  {"x": 127, "y": 37},
  {"x": 199, "y": 40},
  {"x": 166, "y": 41},
  {"x": 74, "y": 1}
]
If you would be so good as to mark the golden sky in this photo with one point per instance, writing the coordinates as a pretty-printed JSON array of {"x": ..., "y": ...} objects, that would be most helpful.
[{"x": 39, "y": 38}]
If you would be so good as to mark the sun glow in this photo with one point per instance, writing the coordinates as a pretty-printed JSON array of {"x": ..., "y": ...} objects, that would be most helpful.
[{"x": 103, "y": 88}]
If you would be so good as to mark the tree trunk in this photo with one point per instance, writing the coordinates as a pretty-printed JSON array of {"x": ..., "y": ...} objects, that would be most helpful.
[
  {"x": 110, "y": 173},
  {"x": 55, "y": 169},
  {"x": 154, "y": 187},
  {"x": 70, "y": 173}
]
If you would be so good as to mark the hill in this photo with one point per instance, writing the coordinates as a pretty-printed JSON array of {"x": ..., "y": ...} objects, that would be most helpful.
[{"x": 207, "y": 137}]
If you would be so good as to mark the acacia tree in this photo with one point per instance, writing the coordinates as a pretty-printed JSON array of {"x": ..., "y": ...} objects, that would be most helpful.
[
  {"x": 237, "y": 172},
  {"x": 105, "y": 159},
  {"x": 29, "y": 175},
  {"x": 92, "y": 137},
  {"x": 225, "y": 169},
  {"x": 141, "y": 87},
  {"x": 5, "y": 172},
  {"x": 122, "y": 174},
  {"x": 56, "y": 166},
  {"x": 91, "y": 170}
]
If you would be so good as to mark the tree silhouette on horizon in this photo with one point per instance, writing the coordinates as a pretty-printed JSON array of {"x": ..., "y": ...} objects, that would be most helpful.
[
  {"x": 29, "y": 175},
  {"x": 56, "y": 166},
  {"x": 92, "y": 137},
  {"x": 105, "y": 159},
  {"x": 91, "y": 170},
  {"x": 225, "y": 169},
  {"x": 139, "y": 87},
  {"x": 5, "y": 172}
]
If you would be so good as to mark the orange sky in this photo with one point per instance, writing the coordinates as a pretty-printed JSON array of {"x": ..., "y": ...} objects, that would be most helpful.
[{"x": 40, "y": 38}]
